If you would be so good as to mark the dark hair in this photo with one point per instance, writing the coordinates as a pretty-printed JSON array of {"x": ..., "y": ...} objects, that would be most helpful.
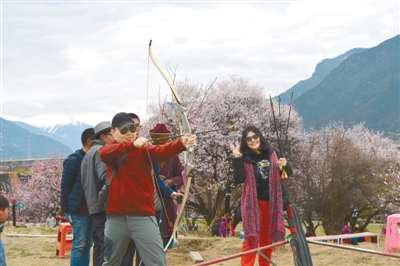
[
  {"x": 87, "y": 134},
  {"x": 135, "y": 116},
  {"x": 104, "y": 133},
  {"x": 4, "y": 203},
  {"x": 244, "y": 149}
]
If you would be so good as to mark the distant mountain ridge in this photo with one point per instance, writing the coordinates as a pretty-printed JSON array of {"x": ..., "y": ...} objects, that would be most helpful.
[
  {"x": 363, "y": 88},
  {"x": 322, "y": 69},
  {"x": 17, "y": 142},
  {"x": 64, "y": 130}
]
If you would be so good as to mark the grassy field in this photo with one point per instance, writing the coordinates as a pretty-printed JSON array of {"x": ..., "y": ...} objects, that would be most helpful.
[
  {"x": 35, "y": 251},
  {"x": 373, "y": 228}
]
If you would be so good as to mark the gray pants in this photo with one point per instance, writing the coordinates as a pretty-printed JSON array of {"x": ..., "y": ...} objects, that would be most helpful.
[
  {"x": 139, "y": 261},
  {"x": 142, "y": 229}
]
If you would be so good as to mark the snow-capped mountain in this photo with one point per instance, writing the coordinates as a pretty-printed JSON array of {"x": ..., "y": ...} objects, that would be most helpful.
[
  {"x": 17, "y": 142},
  {"x": 50, "y": 123},
  {"x": 60, "y": 128}
]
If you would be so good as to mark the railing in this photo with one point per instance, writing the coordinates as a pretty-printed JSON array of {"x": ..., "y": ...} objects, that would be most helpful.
[{"x": 10, "y": 160}]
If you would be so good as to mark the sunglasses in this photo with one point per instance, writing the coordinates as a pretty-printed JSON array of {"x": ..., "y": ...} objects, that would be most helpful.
[
  {"x": 132, "y": 129},
  {"x": 254, "y": 137}
]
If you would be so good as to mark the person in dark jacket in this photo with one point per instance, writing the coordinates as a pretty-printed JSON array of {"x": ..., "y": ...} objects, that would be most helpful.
[
  {"x": 73, "y": 203},
  {"x": 309, "y": 232},
  {"x": 4, "y": 206},
  {"x": 93, "y": 176},
  {"x": 258, "y": 165},
  {"x": 215, "y": 229}
]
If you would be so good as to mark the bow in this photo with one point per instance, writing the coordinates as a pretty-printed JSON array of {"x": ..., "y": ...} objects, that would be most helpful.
[
  {"x": 189, "y": 159},
  {"x": 284, "y": 174}
]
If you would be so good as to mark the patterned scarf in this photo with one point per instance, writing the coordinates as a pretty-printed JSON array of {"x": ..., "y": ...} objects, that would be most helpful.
[
  {"x": 249, "y": 207},
  {"x": 277, "y": 225}
]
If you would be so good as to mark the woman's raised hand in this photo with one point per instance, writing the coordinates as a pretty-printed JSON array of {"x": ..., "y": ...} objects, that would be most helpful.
[
  {"x": 235, "y": 150},
  {"x": 282, "y": 162}
]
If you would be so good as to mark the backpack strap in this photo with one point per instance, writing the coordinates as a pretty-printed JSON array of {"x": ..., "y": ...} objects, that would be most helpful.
[{"x": 115, "y": 168}]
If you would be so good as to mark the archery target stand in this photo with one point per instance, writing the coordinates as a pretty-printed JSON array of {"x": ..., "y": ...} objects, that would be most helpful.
[{"x": 196, "y": 257}]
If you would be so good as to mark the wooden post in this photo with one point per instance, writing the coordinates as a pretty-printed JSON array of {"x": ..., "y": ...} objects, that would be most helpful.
[
  {"x": 209, "y": 227},
  {"x": 14, "y": 215}
]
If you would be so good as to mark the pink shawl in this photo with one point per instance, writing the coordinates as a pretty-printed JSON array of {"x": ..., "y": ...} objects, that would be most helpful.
[
  {"x": 276, "y": 216},
  {"x": 249, "y": 208}
]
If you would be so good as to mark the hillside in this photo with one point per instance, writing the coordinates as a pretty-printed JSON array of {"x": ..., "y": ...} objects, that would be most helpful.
[
  {"x": 67, "y": 132},
  {"x": 18, "y": 142},
  {"x": 322, "y": 69},
  {"x": 363, "y": 88}
]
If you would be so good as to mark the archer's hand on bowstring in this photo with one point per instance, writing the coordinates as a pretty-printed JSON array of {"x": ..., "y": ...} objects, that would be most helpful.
[
  {"x": 140, "y": 142},
  {"x": 235, "y": 150},
  {"x": 189, "y": 141}
]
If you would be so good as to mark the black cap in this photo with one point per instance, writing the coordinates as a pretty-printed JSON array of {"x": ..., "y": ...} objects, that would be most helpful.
[{"x": 122, "y": 120}]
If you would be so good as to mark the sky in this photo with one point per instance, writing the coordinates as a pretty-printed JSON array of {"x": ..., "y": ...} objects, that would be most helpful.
[{"x": 88, "y": 60}]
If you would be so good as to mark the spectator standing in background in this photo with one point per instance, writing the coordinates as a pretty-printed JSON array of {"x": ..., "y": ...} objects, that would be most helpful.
[
  {"x": 73, "y": 203},
  {"x": 93, "y": 176},
  {"x": 51, "y": 221},
  {"x": 309, "y": 232},
  {"x": 4, "y": 205},
  {"x": 222, "y": 226}
]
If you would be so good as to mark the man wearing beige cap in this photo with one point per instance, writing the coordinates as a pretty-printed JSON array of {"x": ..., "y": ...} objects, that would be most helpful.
[{"x": 93, "y": 176}]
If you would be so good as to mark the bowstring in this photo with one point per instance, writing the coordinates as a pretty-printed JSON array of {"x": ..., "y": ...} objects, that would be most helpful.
[{"x": 158, "y": 189}]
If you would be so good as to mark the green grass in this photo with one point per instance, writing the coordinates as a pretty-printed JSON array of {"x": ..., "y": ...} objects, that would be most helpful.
[
  {"x": 21, "y": 252},
  {"x": 49, "y": 248},
  {"x": 375, "y": 228},
  {"x": 372, "y": 227}
]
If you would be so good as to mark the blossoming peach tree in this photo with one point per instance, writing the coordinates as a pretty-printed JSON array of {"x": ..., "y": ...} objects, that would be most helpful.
[{"x": 39, "y": 194}]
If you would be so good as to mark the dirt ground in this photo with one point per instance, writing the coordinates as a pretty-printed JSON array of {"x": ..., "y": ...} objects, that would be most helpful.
[{"x": 39, "y": 251}]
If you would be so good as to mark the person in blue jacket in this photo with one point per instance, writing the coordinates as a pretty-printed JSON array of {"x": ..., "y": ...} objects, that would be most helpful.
[{"x": 74, "y": 204}]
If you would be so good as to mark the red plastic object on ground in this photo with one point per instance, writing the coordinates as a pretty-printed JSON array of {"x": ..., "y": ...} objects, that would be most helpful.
[{"x": 63, "y": 244}]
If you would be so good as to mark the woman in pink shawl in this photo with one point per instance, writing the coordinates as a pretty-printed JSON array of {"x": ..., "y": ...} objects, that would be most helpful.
[{"x": 258, "y": 165}]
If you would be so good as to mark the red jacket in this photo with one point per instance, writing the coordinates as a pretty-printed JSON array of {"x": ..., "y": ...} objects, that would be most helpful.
[{"x": 131, "y": 191}]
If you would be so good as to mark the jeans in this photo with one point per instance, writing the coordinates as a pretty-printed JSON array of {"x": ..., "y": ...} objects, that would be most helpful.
[
  {"x": 82, "y": 230},
  {"x": 2, "y": 254}
]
